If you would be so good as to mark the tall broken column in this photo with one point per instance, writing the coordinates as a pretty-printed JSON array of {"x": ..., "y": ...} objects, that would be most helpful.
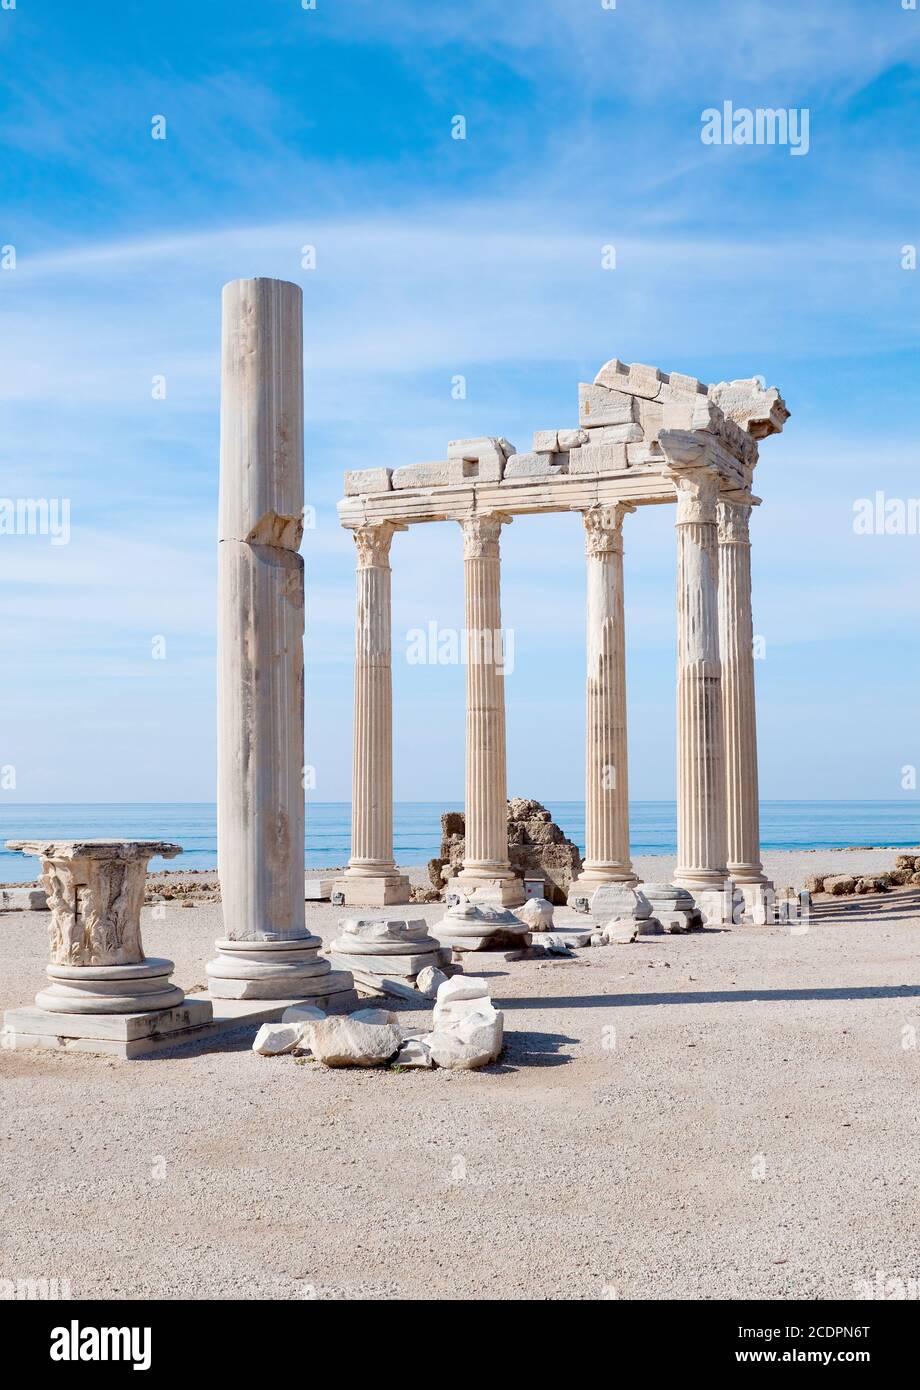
[
  {"x": 738, "y": 703},
  {"x": 606, "y": 775},
  {"x": 266, "y": 952},
  {"x": 486, "y": 876}
]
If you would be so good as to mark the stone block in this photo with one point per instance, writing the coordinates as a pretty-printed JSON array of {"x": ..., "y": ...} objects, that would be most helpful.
[
  {"x": 613, "y": 434},
  {"x": 23, "y": 900},
  {"x": 635, "y": 378},
  {"x": 317, "y": 889},
  {"x": 598, "y": 458},
  {"x": 413, "y": 475},
  {"x": 536, "y": 465},
  {"x": 545, "y": 441},
  {"x": 599, "y": 406},
  {"x": 361, "y": 481}
]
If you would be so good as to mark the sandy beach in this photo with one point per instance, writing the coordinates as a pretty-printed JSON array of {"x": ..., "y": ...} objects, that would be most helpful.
[{"x": 726, "y": 1114}]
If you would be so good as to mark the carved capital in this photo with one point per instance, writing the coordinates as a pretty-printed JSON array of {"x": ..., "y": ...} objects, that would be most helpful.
[
  {"x": 697, "y": 496},
  {"x": 481, "y": 535},
  {"x": 734, "y": 519},
  {"x": 604, "y": 528},
  {"x": 373, "y": 544}
]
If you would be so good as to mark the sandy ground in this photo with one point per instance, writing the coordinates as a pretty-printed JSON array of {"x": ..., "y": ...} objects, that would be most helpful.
[{"x": 725, "y": 1114}]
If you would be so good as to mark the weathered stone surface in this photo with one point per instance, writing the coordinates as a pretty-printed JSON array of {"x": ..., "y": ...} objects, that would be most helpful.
[
  {"x": 23, "y": 900},
  {"x": 273, "y": 1039},
  {"x": 599, "y": 458},
  {"x": 459, "y": 996},
  {"x": 414, "y": 1052},
  {"x": 840, "y": 884},
  {"x": 619, "y": 931},
  {"x": 373, "y": 1016},
  {"x": 362, "y": 481},
  {"x": 597, "y": 405},
  {"x": 340, "y": 1042},
  {"x": 537, "y": 847},
  {"x": 429, "y": 981},
  {"x": 635, "y": 378},
  {"x": 537, "y": 913},
  {"x": 421, "y": 475},
  {"x": 479, "y": 460},
  {"x": 614, "y": 900},
  {"x": 536, "y": 465},
  {"x": 472, "y": 1041},
  {"x": 303, "y": 1013}
]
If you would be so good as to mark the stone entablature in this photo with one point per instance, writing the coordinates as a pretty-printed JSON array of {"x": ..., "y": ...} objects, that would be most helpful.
[{"x": 635, "y": 424}]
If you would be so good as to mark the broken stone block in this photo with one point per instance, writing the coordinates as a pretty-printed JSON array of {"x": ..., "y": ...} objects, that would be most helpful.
[
  {"x": 481, "y": 459},
  {"x": 414, "y": 1052},
  {"x": 473, "y": 1041},
  {"x": 459, "y": 996},
  {"x": 613, "y": 434},
  {"x": 373, "y": 1016},
  {"x": 340, "y": 1042},
  {"x": 635, "y": 378},
  {"x": 429, "y": 981},
  {"x": 421, "y": 475},
  {"x": 599, "y": 406},
  {"x": 362, "y": 481},
  {"x": 840, "y": 884},
  {"x": 571, "y": 439},
  {"x": 23, "y": 900},
  {"x": 536, "y": 465},
  {"x": 302, "y": 1013},
  {"x": 615, "y": 900},
  {"x": 273, "y": 1039},
  {"x": 619, "y": 931},
  {"x": 546, "y": 441},
  {"x": 537, "y": 913}
]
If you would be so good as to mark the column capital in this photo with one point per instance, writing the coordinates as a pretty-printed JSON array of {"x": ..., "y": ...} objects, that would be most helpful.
[
  {"x": 481, "y": 534},
  {"x": 697, "y": 495},
  {"x": 734, "y": 517},
  {"x": 373, "y": 542},
  {"x": 604, "y": 528}
]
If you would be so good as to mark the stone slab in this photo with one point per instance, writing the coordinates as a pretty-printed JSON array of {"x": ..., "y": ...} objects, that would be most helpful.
[
  {"x": 421, "y": 475},
  {"x": 360, "y": 481},
  {"x": 369, "y": 964},
  {"x": 229, "y": 1016},
  {"x": 192, "y": 1013},
  {"x": 318, "y": 889},
  {"x": 313, "y": 989},
  {"x": 23, "y": 900},
  {"x": 373, "y": 892},
  {"x": 390, "y": 984}
]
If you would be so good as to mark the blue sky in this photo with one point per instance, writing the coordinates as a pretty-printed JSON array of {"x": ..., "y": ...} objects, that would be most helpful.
[{"x": 435, "y": 257}]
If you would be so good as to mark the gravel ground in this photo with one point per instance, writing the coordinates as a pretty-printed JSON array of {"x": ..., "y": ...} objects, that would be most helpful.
[{"x": 725, "y": 1114}]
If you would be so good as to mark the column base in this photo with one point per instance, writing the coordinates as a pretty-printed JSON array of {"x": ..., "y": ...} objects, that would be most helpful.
[
  {"x": 756, "y": 902},
  {"x": 291, "y": 969},
  {"x": 492, "y": 892},
  {"x": 143, "y": 987},
  {"x": 712, "y": 893},
  {"x": 381, "y": 890}
]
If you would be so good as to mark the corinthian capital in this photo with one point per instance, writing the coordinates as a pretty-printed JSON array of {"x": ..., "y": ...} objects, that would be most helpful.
[
  {"x": 604, "y": 528},
  {"x": 697, "y": 495},
  {"x": 481, "y": 534},
  {"x": 734, "y": 519},
  {"x": 373, "y": 543}
]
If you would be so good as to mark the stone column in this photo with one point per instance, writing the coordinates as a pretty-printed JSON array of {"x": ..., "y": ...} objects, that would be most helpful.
[
  {"x": 737, "y": 650},
  {"x": 701, "y": 837},
  {"x": 266, "y": 951},
  {"x": 487, "y": 876},
  {"x": 371, "y": 876},
  {"x": 606, "y": 772}
]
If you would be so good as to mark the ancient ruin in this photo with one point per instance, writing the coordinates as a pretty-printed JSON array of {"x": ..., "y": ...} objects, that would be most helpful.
[
  {"x": 266, "y": 952},
  {"x": 538, "y": 849},
  {"x": 644, "y": 438}
]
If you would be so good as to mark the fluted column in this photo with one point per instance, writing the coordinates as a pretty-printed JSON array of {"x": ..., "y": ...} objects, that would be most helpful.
[
  {"x": 606, "y": 772},
  {"x": 487, "y": 874},
  {"x": 738, "y": 703},
  {"x": 701, "y": 837},
  {"x": 371, "y": 876}
]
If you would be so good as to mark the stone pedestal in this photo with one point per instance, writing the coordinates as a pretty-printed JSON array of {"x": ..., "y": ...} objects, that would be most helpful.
[
  {"x": 606, "y": 772},
  {"x": 476, "y": 926},
  {"x": 266, "y": 952},
  {"x": 736, "y": 632},
  {"x": 486, "y": 876},
  {"x": 375, "y": 947},
  {"x": 371, "y": 878},
  {"x": 98, "y": 970}
]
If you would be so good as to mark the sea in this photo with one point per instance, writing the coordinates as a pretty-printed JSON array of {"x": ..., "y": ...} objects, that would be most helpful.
[{"x": 784, "y": 825}]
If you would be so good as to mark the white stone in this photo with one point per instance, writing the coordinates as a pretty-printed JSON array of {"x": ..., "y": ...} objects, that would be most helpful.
[
  {"x": 402, "y": 931},
  {"x": 429, "y": 981},
  {"x": 23, "y": 900},
  {"x": 599, "y": 406},
  {"x": 340, "y": 1042},
  {"x": 303, "y": 1013},
  {"x": 571, "y": 439},
  {"x": 634, "y": 378},
  {"x": 545, "y": 442},
  {"x": 536, "y": 466},
  {"x": 363, "y": 481},
  {"x": 414, "y": 1052},
  {"x": 373, "y": 1016},
  {"x": 537, "y": 913},
  {"x": 421, "y": 475},
  {"x": 273, "y": 1039},
  {"x": 598, "y": 458},
  {"x": 462, "y": 987},
  {"x": 472, "y": 1041},
  {"x": 619, "y": 900},
  {"x": 620, "y": 931}
]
